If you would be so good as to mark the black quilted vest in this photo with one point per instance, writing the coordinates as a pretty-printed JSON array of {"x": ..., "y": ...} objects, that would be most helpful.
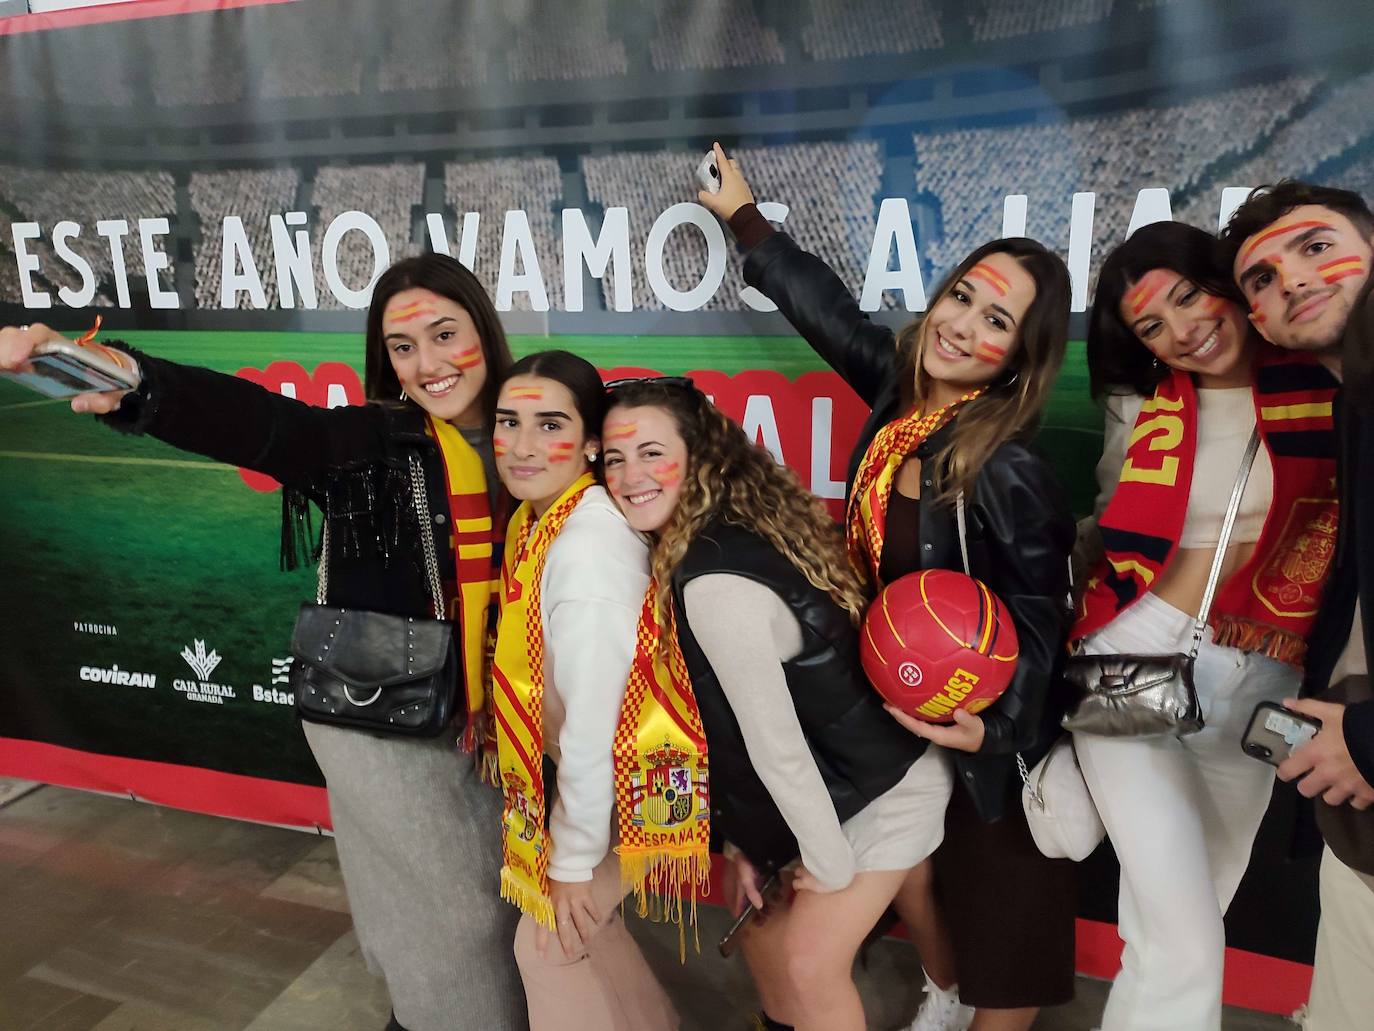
[{"x": 859, "y": 749}]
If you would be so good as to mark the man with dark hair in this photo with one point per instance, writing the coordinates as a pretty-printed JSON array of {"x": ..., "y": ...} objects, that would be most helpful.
[{"x": 1302, "y": 256}]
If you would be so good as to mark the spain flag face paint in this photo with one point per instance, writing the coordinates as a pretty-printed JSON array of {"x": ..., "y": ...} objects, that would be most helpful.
[{"x": 1341, "y": 268}]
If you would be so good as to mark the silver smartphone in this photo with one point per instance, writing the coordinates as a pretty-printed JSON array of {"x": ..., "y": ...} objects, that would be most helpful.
[
  {"x": 61, "y": 368},
  {"x": 708, "y": 175}
]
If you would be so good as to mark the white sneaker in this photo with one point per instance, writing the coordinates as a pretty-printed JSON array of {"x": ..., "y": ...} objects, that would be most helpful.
[{"x": 941, "y": 1010}]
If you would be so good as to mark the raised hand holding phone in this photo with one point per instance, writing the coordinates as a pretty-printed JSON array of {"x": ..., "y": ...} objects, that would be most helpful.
[
  {"x": 734, "y": 192},
  {"x": 96, "y": 378}
]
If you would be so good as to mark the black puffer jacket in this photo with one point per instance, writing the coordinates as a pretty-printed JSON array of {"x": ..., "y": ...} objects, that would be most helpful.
[
  {"x": 1020, "y": 526},
  {"x": 858, "y": 749}
]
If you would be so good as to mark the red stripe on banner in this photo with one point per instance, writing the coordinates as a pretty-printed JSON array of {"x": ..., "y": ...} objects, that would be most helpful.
[
  {"x": 1252, "y": 981},
  {"x": 131, "y": 10},
  {"x": 181, "y": 787}
]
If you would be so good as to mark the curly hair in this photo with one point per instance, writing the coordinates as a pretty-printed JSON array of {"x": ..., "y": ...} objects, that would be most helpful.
[{"x": 733, "y": 479}]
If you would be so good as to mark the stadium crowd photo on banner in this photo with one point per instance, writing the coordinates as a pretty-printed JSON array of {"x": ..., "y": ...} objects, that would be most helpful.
[{"x": 686, "y": 515}]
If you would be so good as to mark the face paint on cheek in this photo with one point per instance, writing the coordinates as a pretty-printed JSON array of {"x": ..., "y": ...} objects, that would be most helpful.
[
  {"x": 469, "y": 358},
  {"x": 987, "y": 351},
  {"x": 1212, "y": 305},
  {"x": 1341, "y": 268},
  {"x": 526, "y": 394},
  {"x": 499, "y": 446},
  {"x": 411, "y": 312},
  {"x": 1256, "y": 316},
  {"x": 621, "y": 430},
  {"x": 561, "y": 451},
  {"x": 991, "y": 276},
  {"x": 667, "y": 474},
  {"x": 614, "y": 478}
]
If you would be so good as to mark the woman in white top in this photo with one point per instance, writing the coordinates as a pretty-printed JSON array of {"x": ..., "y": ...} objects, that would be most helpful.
[
  {"x": 573, "y": 581},
  {"x": 1187, "y": 382}
]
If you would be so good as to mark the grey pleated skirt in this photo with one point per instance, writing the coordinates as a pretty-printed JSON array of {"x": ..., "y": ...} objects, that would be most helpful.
[{"x": 419, "y": 841}]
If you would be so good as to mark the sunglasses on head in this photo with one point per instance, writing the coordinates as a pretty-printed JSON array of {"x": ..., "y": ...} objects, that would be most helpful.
[{"x": 667, "y": 381}]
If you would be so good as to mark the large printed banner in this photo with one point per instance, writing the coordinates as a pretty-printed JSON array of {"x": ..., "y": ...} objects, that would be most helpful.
[{"x": 223, "y": 180}]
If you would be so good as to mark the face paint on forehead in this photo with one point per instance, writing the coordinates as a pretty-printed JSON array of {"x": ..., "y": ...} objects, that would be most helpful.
[
  {"x": 413, "y": 311},
  {"x": 526, "y": 394},
  {"x": 1282, "y": 229},
  {"x": 991, "y": 276},
  {"x": 987, "y": 351},
  {"x": 1341, "y": 268},
  {"x": 1144, "y": 291},
  {"x": 468, "y": 358},
  {"x": 621, "y": 430}
]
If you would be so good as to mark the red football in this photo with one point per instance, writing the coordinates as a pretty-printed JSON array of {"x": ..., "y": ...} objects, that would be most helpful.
[{"x": 936, "y": 641}]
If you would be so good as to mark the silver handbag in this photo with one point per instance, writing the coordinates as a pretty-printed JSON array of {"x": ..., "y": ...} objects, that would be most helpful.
[{"x": 1151, "y": 695}]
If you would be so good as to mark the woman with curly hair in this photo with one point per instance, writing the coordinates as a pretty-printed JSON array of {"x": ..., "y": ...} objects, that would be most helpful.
[
  {"x": 955, "y": 400},
  {"x": 754, "y": 602}
]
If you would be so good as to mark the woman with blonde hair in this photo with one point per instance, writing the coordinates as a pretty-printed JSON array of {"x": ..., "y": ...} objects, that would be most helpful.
[
  {"x": 956, "y": 398},
  {"x": 751, "y": 619}
]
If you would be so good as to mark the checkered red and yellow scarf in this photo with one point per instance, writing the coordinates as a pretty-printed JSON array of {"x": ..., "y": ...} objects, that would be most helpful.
[
  {"x": 518, "y": 703},
  {"x": 663, "y": 810},
  {"x": 866, "y": 520}
]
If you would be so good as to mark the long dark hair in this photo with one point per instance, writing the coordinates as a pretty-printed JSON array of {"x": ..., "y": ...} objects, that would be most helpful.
[
  {"x": 446, "y": 277},
  {"x": 575, "y": 373},
  {"x": 1117, "y": 360},
  {"x": 1010, "y": 409}
]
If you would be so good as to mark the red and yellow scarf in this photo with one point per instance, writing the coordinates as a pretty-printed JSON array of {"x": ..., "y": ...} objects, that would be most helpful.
[
  {"x": 663, "y": 811},
  {"x": 866, "y": 519},
  {"x": 518, "y": 703},
  {"x": 473, "y": 542},
  {"x": 1268, "y": 605}
]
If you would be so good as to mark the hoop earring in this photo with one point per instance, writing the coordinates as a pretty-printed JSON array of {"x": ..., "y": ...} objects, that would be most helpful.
[{"x": 1015, "y": 375}]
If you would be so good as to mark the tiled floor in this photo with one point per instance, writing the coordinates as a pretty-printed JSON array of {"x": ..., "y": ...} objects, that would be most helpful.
[{"x": 120, "y": 916}]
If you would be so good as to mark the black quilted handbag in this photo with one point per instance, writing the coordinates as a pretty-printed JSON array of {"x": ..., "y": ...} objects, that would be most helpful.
[{"x": 374, "y": 670}]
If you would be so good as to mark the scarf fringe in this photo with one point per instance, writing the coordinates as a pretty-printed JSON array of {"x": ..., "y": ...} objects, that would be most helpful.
[
  {"x": 1248, "y": 636},
  {"x": 664, "y": 882},
  {"x": 526, "y": 898}
]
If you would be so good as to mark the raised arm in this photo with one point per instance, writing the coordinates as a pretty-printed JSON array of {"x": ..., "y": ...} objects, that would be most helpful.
[
  {"x": 806, "y": 290},
  {"x": 223, "y": 417}
]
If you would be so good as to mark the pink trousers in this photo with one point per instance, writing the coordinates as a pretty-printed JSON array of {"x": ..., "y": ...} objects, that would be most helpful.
[{"x": 608, "y": 988}]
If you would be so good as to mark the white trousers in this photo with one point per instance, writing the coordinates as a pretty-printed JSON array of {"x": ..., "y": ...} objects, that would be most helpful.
[
  {"x": 1343, "y": 978},
  {"x": 1182, "y": 814}
]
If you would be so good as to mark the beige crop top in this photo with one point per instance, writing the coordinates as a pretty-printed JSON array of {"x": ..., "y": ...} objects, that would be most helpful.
[{"x": 1226, "y": 418}]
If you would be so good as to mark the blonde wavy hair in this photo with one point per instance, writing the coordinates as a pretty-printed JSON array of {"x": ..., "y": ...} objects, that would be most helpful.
[
  {"x": 1011, "y": 406},
  {"x": 731, "y": 478}
]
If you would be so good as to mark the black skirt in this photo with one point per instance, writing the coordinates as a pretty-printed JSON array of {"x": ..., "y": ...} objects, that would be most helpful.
[{"x": 1010, "y": 911}]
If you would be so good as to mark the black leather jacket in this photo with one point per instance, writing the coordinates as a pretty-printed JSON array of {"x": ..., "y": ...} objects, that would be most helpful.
[{"x": 1020, "y": 525}]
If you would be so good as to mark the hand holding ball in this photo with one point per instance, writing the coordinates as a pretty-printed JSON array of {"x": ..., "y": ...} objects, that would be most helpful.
[{"x": 937, "y": 641}]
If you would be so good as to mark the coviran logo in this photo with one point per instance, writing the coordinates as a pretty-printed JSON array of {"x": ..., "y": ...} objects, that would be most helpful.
[
  {"x": 202, "y": 663},
  {"x": 115, "y": 675}
]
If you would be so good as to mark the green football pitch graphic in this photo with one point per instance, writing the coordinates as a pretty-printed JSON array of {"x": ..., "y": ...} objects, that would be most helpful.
[{"x": 125, "y": 532}]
